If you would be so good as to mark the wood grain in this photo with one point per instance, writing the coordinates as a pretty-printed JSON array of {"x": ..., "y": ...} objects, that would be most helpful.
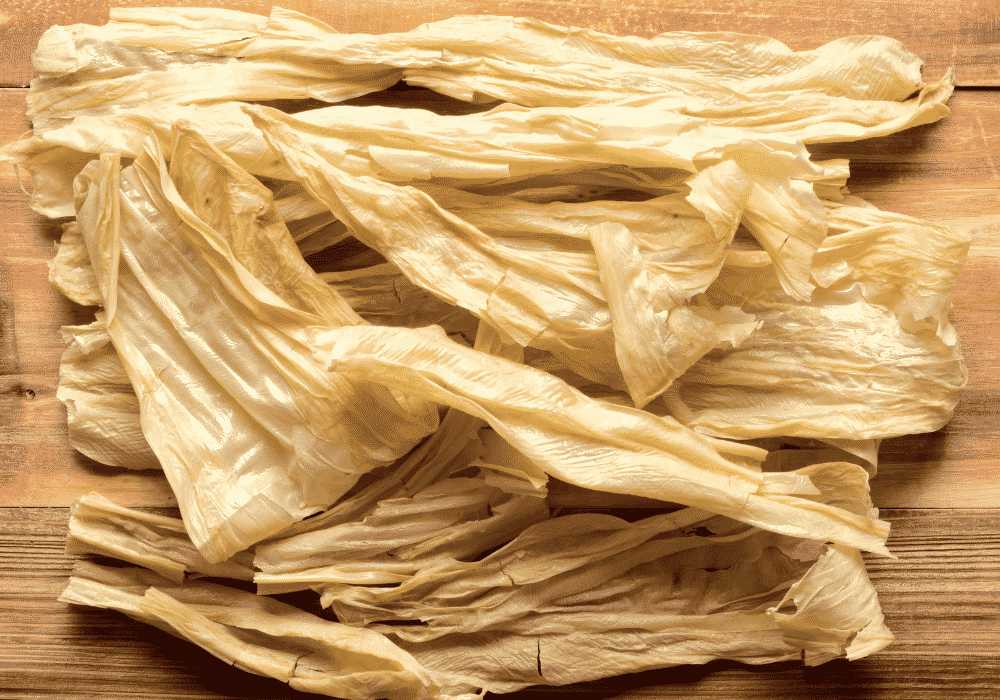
[
  {"x": 963, "y": 33},
  {"x": 947, "y": 628}
]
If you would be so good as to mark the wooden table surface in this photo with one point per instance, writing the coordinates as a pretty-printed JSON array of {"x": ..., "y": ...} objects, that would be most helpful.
[{"x": 940, "y": 491}]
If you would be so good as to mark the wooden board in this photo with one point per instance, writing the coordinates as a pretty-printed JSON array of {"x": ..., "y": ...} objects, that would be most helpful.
[{"x": 940, "y": 491}]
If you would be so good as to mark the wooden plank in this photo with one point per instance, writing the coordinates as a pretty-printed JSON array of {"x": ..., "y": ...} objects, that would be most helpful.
[
  {"x": 943, "y": 32},
  {"x": 941, "y": 598}
]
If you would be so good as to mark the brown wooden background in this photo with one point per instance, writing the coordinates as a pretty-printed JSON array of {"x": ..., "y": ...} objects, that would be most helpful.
[{"x": 941, "y": 491}]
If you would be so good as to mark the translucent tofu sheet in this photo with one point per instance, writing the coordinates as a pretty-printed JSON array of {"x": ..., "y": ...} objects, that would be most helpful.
[
  {"x": 363, "y": 340},
  {"x": 225, "y": 400},
  {"x": 875, "y": 335}
]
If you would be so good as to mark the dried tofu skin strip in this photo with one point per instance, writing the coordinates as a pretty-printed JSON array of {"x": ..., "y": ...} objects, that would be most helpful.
[
  {"x": 239, "y": 436},
  {"x": 602, "y": 633},
  {"x": 261, "y": 635},
  {"x": 577, "y": 587},
  {"x": 590, "y": 443},
  {"x": 867, "y": 379},
  {"x": 160, "y": 543},
  {"x": 902, "y": 263},
  {"x": 856, "y": 82},
  {"x": 872, "y": 355},
  {"x": 70, "y": 270},
  {"x": 545, "y": 291},
  {"x": 509, "y": 660},
  {"x": 587, "y": 589},
  {"x": 102, "y": 409}
]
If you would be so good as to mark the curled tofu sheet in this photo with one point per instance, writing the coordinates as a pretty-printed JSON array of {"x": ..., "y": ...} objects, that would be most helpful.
[
  {"x": 872, "y": 355},
  {"x": 554, "y": 291},
  {"x": 252, "y": 434},
  {"x": 859, "y": 83},
  {"x": 102, "y": 409},
  {"x": 567, "y": 599},
  {"x": 261, "y": 635},
  {"x": 591, "y": 443},
  {"x": 147, "y": 66}
]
